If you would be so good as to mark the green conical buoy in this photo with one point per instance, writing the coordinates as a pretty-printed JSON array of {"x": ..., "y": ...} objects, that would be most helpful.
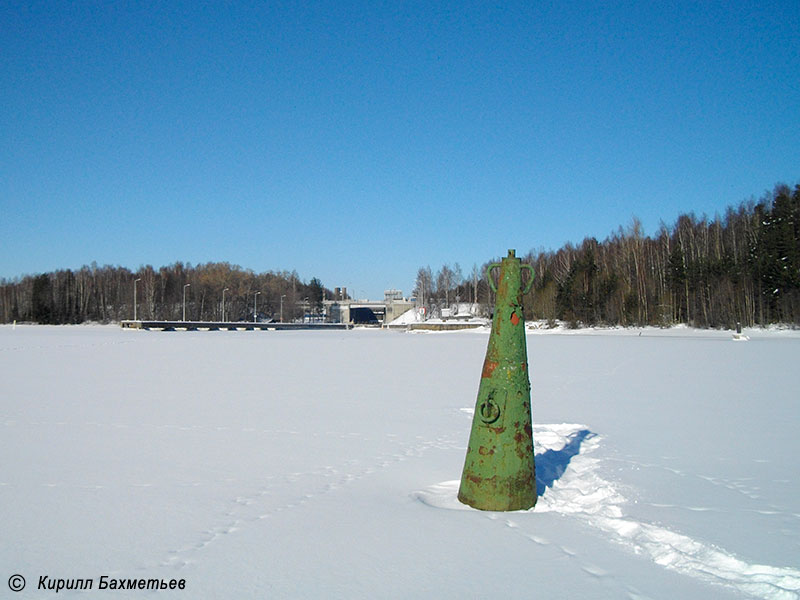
[{"x": 499, "y": 468}]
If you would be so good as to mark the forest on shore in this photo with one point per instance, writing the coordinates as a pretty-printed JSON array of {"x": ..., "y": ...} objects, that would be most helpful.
[
  {"x": 740, "y": 267},
  {"x": 200, "y": 293}
]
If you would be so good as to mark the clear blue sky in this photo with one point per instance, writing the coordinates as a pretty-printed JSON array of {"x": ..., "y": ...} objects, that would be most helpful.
[{"x": 358, "y": 141}]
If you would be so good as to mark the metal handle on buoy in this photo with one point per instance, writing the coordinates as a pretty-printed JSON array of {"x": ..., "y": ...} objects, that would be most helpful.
[
  {"x": 523, "y": 266},
  {"x": 530, "y": 281},
  {"x": 489, "y": 275}
]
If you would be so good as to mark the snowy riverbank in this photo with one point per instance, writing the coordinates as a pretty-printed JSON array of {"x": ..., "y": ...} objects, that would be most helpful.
[{"x": 321, "y": 464}]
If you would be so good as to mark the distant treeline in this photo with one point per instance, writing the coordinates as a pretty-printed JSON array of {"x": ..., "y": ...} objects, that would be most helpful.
[
  {"x": 743, "y": 267},
  {"x": 105, "y": 294}
]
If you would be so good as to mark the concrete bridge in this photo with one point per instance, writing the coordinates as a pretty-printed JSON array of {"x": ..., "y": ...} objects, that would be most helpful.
[
  {"x": 227, "y": 326},
  {"x": 366, "y": 312}
]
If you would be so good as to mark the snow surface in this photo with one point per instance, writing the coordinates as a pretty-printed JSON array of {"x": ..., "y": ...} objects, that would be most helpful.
[{"x": 325, "y": 464}]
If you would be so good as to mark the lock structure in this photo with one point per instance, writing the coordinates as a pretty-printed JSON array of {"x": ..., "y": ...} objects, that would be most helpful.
[{"x": 499, "y": 470}]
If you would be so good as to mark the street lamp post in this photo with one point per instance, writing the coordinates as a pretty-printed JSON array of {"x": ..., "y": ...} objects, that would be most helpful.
[
  {"x": 184, "y": 300},
  {"x": 282, "y": 297},
  {"x": 223, "y": 303},
  {"x": 254, "y": 306},
  {"x": 135, "y": 281}
]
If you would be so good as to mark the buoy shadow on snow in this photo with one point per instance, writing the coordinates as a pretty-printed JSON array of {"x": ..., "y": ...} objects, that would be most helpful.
[{"x": 551, "y": 464}]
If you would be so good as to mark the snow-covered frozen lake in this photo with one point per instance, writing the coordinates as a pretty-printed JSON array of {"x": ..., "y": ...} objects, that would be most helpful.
[{"x": 325, "y": 464}]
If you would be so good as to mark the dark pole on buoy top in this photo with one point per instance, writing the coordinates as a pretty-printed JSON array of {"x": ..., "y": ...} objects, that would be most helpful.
[{"x": 499, "y": 472}]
